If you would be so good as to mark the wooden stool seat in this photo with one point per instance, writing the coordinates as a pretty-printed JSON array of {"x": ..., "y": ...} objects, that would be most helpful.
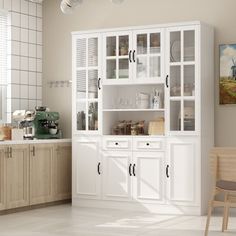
[{"x": 226, "y": 185}]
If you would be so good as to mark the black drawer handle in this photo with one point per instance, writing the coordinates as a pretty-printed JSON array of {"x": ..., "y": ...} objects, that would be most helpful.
[
  {"x": 147, "y": 144},
  {"x": 167, "y": 85},
  {"x": 116, "y": 144},
  {"x": 134, "y": 174},
  {"x": 130, "y": 60},
  {"x": 167, "y": 171},
  {"x": 130, "y": 174},
  {"x": 99, "y": 83},
  {"x": 98, "y": 168},
  {"x": 134, "y": 56}
]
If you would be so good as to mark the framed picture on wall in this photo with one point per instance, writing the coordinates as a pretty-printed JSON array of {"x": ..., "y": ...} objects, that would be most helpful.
[{"x": 227, "y": 74}]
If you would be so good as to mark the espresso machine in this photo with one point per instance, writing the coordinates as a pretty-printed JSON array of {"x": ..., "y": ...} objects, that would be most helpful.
[{"x": 46, "y": 125}]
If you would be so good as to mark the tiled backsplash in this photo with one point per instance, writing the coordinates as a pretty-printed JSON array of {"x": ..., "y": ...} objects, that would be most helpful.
[{"x": 25, "y": 54}]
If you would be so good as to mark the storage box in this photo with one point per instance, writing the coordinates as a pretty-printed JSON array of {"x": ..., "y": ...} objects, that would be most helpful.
[{"x": 157, "y": 127}]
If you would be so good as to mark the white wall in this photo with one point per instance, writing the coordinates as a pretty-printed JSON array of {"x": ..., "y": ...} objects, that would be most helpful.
[{"x": 102, "y": 14}]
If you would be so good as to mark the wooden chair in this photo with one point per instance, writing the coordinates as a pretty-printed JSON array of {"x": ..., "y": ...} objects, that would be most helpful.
[{"x": 223, "y": 167}]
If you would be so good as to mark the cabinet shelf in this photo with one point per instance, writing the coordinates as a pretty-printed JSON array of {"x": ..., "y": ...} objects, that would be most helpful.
[
  {"x": 182, "y": 63},
  {"x": 115, "y": 57},
  {"x": 185, "y": 98},
  {"x": 135, "y": 109}
]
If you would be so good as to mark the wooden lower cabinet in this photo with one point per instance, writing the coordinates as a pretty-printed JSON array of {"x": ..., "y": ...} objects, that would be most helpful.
[
  {"x": 17, "y": 176},
  {"x": 62, "y": 165}
]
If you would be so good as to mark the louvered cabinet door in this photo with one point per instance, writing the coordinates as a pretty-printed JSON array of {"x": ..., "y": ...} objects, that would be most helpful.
[{"x": 87, "y": 83}]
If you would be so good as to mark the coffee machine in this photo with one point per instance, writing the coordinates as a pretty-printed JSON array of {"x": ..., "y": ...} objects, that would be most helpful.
[{"x": 46, "y": 125}]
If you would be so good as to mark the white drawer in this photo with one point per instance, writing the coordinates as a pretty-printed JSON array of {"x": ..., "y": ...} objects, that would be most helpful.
[
  {"x": 150, "y": 144},
  {"x": 117, "y": 143}
]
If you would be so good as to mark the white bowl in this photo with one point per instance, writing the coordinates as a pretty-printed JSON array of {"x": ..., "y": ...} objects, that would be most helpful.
[{"x": 52, "y": 131}]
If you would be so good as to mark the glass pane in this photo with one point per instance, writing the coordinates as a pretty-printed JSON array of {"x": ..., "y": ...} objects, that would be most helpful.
[
  {"x": 111, "y": 46},
  {"x": 155, "y": 67},
  {"x": 155, "y": 43},
  {"x": 142, "y": 44},
  {"x": 189, "y": 115},
  {"x": 92, "y": 84},
  {"x": 80, "y": 52},
  {"x": 81, "y": 83},
  {"x": 175, "y": 115},
  {"x": 189, "y": 45},
  {"x": 175, "y": 81},
  {"x": 142, "y": 67},
  {"x": 123, "y": 45},
  {"x": 111, "y": 69},
  {"x": 92, "y": 52},
  {"x": 81, "y": 116},
  {"x": 123, "y": 68},
  {"x": 189, "y": 80},
  {"x": 175, "y": 46},
  {"x": 93, "y": 116}
]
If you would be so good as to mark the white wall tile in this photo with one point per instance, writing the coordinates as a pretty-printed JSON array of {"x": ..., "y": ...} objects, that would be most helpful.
[
  {"x": 24, "y": 6},
  {"x": 39, "y": 51},
  {"x": 24, "y": 104},
  {"x": 15, "y": 91},
  {"x": 39, "y": 24},
  {"x": 15, "y": 5},
  {"x": 32, "y": 22},
  {"x": 32, "y": 36},
  {"x": 15, "y": 76},
  {"x": 32, "y": 104},
  {"x": 24, "y": 35},
  {"x": 39, "y": 65},
  {"x": 24, "y": 77},
  {"x": 15, "y": 48},
  {"x": 15, "y": 19},
  {"x": 24, "y": 63},
  {"x": 39, "y": 92},
  {"x": 15, "y": 33},
  {"x": 7, "y": 5},
  {"x": 32, "y": 78},
  {"x": 32, "y": 50},
  {"x": 39, "y": 38},
  {"x": 24, "y": 21},
  {"x": 15, "y": 62},
  {"x": 32, "y": 92},
  {"x": 15, "y": 103},
  {"x": 24, "y": 93},
  {"x": 24, "y": 49},
  {"x": 39, "y": 10},
  {"x": 39, "y": 79},
  {"x": 32, "y": 64},
  {"x": 32, "y": 9}
]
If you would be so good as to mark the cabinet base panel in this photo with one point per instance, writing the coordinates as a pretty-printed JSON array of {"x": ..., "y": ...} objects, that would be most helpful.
[
  {"x": 26, "y": 208},
  {"x": 137, "y": 206}
]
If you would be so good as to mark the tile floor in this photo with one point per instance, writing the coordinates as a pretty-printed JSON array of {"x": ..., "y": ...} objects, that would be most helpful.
[{"x": 64, "y": 220}]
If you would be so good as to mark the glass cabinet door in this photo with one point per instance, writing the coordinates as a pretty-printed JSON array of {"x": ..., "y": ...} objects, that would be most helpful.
[
  {"x": 117, "y": 56},
  {"x": 147, "y": 55},
  {"x": 181, "y": 79},
  {"x": 87, "y": 83}
]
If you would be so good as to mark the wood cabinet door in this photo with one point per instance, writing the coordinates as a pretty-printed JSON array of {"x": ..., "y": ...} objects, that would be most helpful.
[
  {"x": 2, "y": 179},
  {"x": 182, "y": 171},
  {"x": 86, "y": 168},
  {"x": 17, "y": 176},
  {"x": 117, "y": 175},
  {"x": 148, "y": 176},
  {"x": 41, "y": 165},
  {"x": 62, "y": 171}
]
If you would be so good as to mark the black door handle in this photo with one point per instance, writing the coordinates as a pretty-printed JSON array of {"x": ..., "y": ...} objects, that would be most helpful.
[
  {"x": 134, "y": 56},
  {"x": 134, "y": 174},
  {"x": 130, "y": 60},
  {"x": 167, "y": 171},
  {"x": 99, "y": 83},
  {"x": 167, "y": 85},
  {"x": 130, "y": 174},
  {"x": 99, "y": 172}
]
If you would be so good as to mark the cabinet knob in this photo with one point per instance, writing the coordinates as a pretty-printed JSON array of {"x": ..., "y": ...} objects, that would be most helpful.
[
  {"x": 147, "y": 144},
  {"x": 116, "y": 144}
]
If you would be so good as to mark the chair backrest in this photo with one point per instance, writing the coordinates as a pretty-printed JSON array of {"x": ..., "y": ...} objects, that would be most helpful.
[{"x": 223, "y": 163}]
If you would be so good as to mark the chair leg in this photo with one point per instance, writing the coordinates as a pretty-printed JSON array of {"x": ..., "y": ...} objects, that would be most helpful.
[
  {"x": 208, "y": 217},
  {"x": 226, "y": 210},
  {"x": 227, "y": 218}
]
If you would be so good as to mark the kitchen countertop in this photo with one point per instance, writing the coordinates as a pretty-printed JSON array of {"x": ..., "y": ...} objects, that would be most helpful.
[{"x": 9, "y": 142}]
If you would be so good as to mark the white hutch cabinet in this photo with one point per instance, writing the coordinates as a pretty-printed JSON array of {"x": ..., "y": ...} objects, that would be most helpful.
[{"x": 112, "y": 69}]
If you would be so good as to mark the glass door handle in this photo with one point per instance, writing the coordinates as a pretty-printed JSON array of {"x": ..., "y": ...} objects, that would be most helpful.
[
  {"x": 134, "y": 56},
  {"x": 99, "y": 83},
  {"x": 130, "y": 60},
  {"x": 167, "y": 85}
]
